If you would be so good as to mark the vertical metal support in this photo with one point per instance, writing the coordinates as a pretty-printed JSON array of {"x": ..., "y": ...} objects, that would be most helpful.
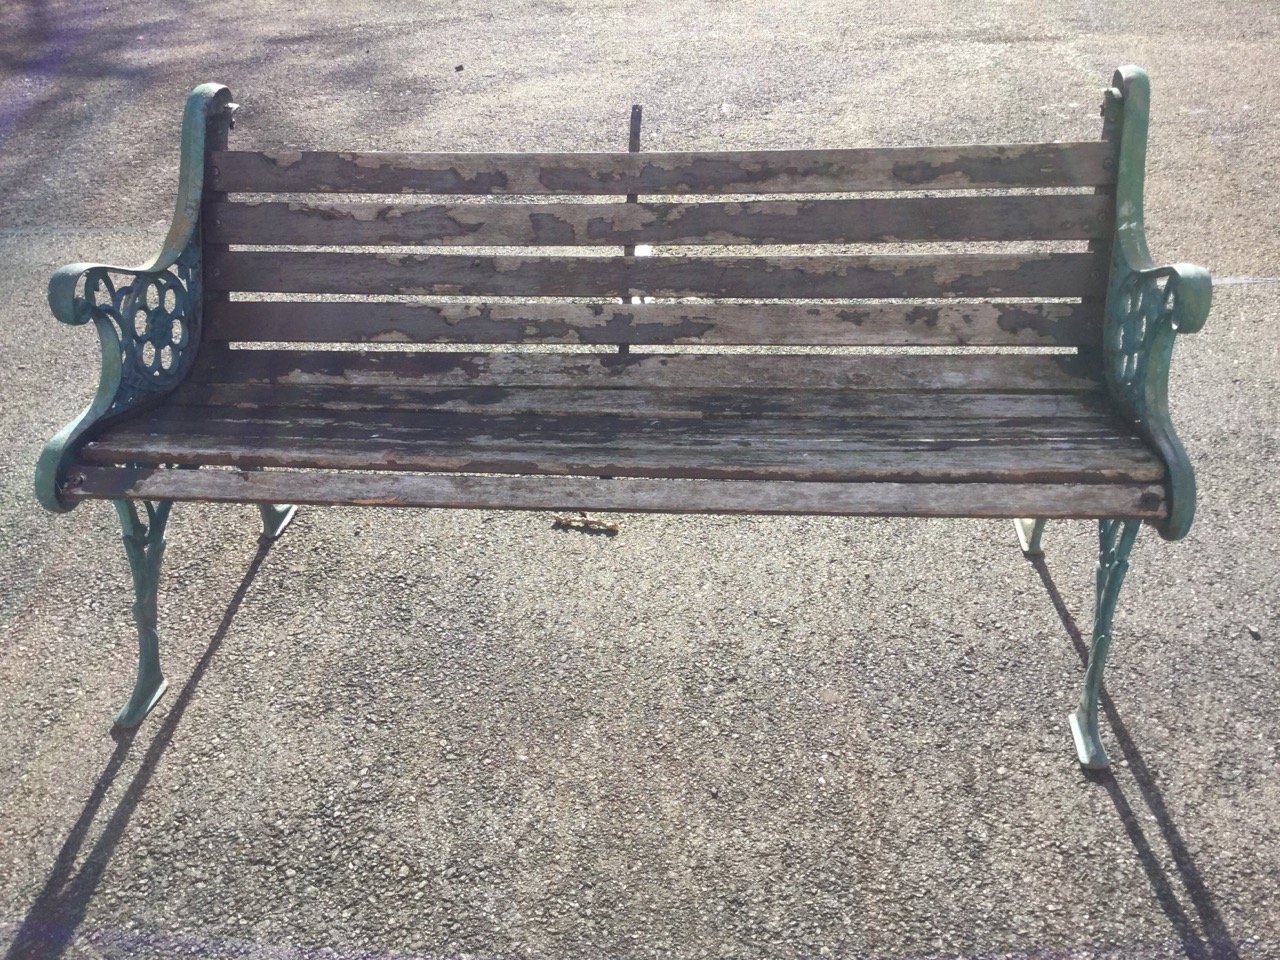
[
  {"x": 629, "y": 250},
  {"x": 1029, "y": 534},
  {"x": 144, "y": 546},
  {"x": 1115, "y": 543},
  {"x": 275, "y": 517}
]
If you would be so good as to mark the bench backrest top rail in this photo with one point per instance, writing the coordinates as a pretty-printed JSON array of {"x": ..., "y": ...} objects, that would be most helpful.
[{"x": 1035, "y": 165}]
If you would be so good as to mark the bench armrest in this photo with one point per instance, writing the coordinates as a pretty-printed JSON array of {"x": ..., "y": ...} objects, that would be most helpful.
[
  {"x": 148, "y": 321},
  {"x": 1146, "y": 306}
]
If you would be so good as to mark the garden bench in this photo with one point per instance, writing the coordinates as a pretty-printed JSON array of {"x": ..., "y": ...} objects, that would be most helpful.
[{"x": 394, "y": 350}]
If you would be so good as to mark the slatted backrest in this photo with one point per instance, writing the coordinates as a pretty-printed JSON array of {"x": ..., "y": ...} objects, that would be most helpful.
[{"x": 724, "y": 227}]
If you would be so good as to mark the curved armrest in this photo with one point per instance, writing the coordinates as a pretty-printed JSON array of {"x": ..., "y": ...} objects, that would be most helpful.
[
  {"x": 149, "y": 325},
  {"x": 1146, "y": 306}
]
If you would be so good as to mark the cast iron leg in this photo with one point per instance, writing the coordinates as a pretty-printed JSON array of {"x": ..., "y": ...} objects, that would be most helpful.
[
  {"x": 275, "y": 517},
  {"x": 1029, "y": 534},
  {"x": 144, "y": 546},
  {"x": 1115, "y": 542}
]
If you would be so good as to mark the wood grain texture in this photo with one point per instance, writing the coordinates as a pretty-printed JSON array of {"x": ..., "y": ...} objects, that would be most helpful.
[
  {"x": 927, "y": 324},
  {"x": 1072, "y": 460},
  {"x": 583, "y": 427},
  {"x": 740, "y": 172},
  {"x": 1081, "y": 501},
  {"x": 668, "y": 403},
  {"x": 1003, "y": 276},
  {"x": 870, "y": 220},
  {"x": 1091, "y": 448},
  {"x": 985, "y": 373}
]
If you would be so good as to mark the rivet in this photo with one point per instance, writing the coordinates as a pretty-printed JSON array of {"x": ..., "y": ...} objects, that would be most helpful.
[
  {"x": 214, "y": 171},
  {"x": 215, "y": 272},
  {"x": 1108, "y": 163}
]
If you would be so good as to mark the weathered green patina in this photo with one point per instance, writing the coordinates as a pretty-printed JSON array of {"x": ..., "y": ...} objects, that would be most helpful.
[
  {"x": 149, "y": 332},
  {"x": 1029, "y": 534},
  {"x": 1147, "y": 305},
  {"x": 144, "y": 546},
  {"x": 1115, "y": 542},
  {"x": 275, "y": 517},
  {"x": 149, "y": 326}
]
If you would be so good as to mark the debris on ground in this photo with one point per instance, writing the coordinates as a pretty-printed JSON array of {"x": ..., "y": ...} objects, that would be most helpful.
[{"x": 584, "y": 523}]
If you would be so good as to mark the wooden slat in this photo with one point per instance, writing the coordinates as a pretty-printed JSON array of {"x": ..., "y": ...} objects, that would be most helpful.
[
  {"x": 979, "y": 373},
  {"x": 643, "y": 496},
  {"x": 919, "y": 324},
  {"x": 745, "y": 172},
  {"x": 907, "y": 276},
  {"x": 666, "y": 403},
  {"x": 592, "y": 427},
  {"x": 1072, "y": 460},
  {"x": 870, "y": 220}
]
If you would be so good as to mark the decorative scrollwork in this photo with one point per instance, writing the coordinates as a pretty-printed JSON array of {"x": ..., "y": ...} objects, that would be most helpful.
[
  {"x": 1143, "y": 308},
  {"x": 149, "y": 325},
  {"x": 154, "y": 321},
  {"x": 1147, "y": 304}
]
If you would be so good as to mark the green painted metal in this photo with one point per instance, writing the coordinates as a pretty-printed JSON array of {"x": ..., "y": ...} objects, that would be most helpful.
[
  {"x": 1029, "y": 534},
  {"x": 144, "y": 546},
  {"x": 149, "y": 326},
  {"x": 1115, "y": 543},
  {"x": 1147, "y": 304},
  {"x": 275, "y": 517}
]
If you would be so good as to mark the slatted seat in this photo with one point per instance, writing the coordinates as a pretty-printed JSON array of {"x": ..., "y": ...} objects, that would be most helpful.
[
  {"x": 330, "y": 411},
  {"x": 924, "y": 331}
]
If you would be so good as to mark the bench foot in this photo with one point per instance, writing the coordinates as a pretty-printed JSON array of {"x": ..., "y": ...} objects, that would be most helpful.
[
  {"x": 144, "y": 546},
  {"x": 1115, "y": 543},
  {"x": 1029, "y": 533},
  {"x": 275, "y": 517}
]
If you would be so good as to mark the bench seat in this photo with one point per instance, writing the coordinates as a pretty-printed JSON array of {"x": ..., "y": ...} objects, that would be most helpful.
[{"x": 1048, "y": 444}]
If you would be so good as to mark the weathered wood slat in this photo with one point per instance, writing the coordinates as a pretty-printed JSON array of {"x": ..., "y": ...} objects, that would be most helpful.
[
  {"x": 868, "y": 220},
  {"x": 939, "y": 324},
  {"x": 905, "y": 276},
  {"x": 985, "y": 373},
  {"x": 626, "y": 495},
  {"x": 667, "y": 403},
  {"x": 882, "y": 459},
  {"x": 746, "y": 172},
  {"x": 302, "y": 423}
]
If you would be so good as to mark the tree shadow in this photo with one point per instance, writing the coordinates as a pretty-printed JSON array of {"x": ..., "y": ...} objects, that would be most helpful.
[
  {"x": 1216, "y": 942},
  {"x": 53, "y": 919}
]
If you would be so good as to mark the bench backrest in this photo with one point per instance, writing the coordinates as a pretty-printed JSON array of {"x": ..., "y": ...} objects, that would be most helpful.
[{"x": 536, "y": 248}]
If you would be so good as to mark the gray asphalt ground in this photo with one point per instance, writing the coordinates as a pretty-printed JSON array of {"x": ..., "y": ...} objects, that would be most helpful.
[{"x": 429, "y": 733}]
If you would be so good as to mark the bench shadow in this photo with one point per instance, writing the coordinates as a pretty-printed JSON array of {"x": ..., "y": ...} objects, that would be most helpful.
[
  {"x": 1216, "y": 942},
  {"x": 53, "y": 919}
]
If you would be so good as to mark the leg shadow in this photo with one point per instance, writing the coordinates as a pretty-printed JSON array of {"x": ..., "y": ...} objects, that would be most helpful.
[
  {"x": 1216, "y": 943},
  {"x": 51, "y": 923}
]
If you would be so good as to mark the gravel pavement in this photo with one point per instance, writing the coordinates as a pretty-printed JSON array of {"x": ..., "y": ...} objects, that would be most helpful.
[{"x": 426, "y": 733}]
